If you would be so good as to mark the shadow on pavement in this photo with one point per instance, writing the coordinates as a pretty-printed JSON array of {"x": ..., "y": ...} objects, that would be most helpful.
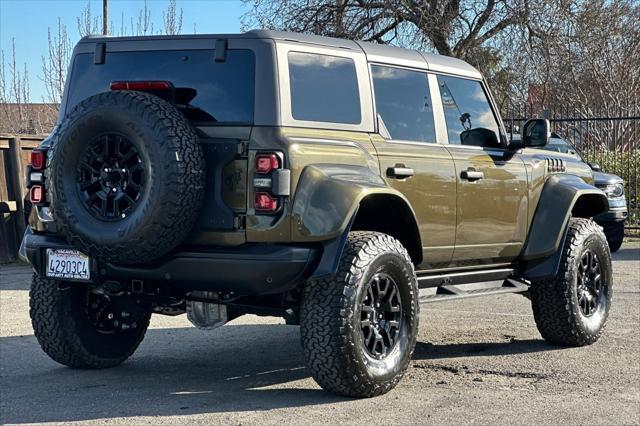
[
  {"x": 180, "y": 371},
  {"x": 425, "y": 350},
  {"x": 176, "y": 371}
]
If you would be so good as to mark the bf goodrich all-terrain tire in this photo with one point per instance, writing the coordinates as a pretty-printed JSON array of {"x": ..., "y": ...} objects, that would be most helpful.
[
  {"x": 359, "y": 328},
  {"x": 125, "y": 177},
  {"x": 81, "y": 329},
  {"x": 572, "y": 307}
]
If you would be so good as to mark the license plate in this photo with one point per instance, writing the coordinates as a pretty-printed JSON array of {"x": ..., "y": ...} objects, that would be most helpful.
[{"x": 70, "y": 264}]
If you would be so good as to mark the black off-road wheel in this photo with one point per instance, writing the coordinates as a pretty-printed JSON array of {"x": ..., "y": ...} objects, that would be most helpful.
[
  {"x": 571, "y": 309},
  {"x": 359, "y": 328},
  {"x": 125, "y": 177},
  {"x": 80, "y": 327}
]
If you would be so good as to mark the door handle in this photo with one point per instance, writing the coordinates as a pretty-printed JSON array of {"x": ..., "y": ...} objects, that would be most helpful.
[
  {"x": 399, "y": 172},
  {"x": 471, "y": 175}
]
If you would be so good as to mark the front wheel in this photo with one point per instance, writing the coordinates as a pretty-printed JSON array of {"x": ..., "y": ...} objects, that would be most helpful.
[
  {"x": 359, "y": 328},
  {"x": 572, "y": 307},
  {"x": 82, "y": 327}
]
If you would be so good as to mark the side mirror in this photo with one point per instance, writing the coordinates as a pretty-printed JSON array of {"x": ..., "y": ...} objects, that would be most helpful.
[
  {"x": 536, "y": 133},
  {"x": 480, "y": 137},
  {"x": 595, "y": 167}
]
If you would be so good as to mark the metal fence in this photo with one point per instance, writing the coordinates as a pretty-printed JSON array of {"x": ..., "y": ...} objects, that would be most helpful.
[{"x": 609, "y": 138}]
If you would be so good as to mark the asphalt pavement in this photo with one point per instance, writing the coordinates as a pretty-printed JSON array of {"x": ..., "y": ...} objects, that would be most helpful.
[{"x": 476, "y": 361}]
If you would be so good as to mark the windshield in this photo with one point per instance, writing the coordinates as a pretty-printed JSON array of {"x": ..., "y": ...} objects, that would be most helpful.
[{"x": 207, "y": 91}]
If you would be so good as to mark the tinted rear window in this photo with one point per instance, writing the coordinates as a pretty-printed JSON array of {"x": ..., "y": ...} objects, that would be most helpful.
[
  {"x": 404, "y": 103},
  {"x": 323, "y": 88},
  {"x": 224, "y": 91}
]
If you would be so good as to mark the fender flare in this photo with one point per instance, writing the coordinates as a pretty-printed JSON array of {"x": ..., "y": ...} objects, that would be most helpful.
[
  {"x": 562, "y": 196},
  {"x": 326, "y": 203}
]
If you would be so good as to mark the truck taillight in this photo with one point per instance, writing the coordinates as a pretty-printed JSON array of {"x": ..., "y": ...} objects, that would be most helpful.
[
  {"x": 141, "y": 86},
  {"x": 270, "y": 182},
  {"x": 37, "y": 159},
  {"x": 265, "y": 202},
  {"x": 36, "y": 194},
  {"x": 35, "y": 179},
  {"x": 265, "y": 163}
]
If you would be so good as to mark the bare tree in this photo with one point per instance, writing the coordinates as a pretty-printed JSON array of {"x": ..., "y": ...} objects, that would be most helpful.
[
  {"x": 587, "y": 63},
  {"x": 15, "y": 96},
  {"x": 451, "y": 27},
  {"x": 172, "y": 19},
  {"x": 87, "y": 23},
  {"x": 54, "y": 65},
  {"x": 144, "y": 26}
]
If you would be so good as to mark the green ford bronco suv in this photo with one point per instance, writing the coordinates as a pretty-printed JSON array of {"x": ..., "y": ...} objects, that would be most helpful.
[{"x": 334, "y": 183}]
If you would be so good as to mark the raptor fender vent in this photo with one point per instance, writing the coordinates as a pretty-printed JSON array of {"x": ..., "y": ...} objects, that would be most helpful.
[{"x": 555, "y": 165}]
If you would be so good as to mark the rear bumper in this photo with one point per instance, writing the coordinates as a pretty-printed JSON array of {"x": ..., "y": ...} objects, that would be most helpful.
[{"x": 246, "y": 270}]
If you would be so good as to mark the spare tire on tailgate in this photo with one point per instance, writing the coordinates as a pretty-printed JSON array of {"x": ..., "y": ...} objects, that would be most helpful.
[{"x": 125, "y": 177}]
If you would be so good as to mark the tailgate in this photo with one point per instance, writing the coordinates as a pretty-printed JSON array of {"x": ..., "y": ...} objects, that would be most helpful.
[{"x": 221, "y": 220}]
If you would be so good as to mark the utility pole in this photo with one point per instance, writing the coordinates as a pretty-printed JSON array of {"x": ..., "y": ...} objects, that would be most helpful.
[{"x": 105, "y": 17}]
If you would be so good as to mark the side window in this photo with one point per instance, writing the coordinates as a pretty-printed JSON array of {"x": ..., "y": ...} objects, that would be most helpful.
[
  {"x": 323, "y": 88},
  {"x": 470, "y": 120},
  {"x": 404, "y": 103}
]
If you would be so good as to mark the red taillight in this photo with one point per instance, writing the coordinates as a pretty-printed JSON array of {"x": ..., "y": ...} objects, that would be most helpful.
[
  {"x": 38, "y": 160},
  {"x": 141, "y": 85},
  {"x": 266, "y": 162},
  {"x": 265, "y": 202},
  {"x": 36, "y": 194}
]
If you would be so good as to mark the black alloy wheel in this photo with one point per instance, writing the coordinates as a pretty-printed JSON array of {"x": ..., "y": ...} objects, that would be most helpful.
[
  {"x": 380, "y": 315},
  {"x": 111, "y": 177},
  {"x": 590, "y": 287}
]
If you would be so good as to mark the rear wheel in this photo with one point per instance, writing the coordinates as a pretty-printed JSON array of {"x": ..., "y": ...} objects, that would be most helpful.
[
  {"x": 82, "y": 327},
  {"x": 572, "y": 307},
  {"x": 359, "y": 329}
]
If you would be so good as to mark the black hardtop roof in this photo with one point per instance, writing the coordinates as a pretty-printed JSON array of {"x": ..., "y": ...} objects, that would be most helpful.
[{"x": 375, "y": 52}]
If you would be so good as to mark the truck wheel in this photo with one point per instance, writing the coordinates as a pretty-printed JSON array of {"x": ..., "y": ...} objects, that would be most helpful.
[
  {"x": 615, "y": 235},
  {"x": 359, "y": 328},
  {"x": 82, "y": 328},
  {"x": 572, "y": 308},
  {"x": 126, "y": 177}
]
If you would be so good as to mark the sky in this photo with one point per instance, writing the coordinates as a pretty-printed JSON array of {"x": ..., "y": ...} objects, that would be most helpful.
[{"x": 28, "y": 20}]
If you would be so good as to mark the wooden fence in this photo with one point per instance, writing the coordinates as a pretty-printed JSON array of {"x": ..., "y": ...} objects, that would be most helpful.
[{"x": 14, "y": 156}]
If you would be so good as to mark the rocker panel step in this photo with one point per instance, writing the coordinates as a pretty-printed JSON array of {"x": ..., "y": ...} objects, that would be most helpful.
[
  {"x": 467, "y": 277},
  {"x": 454, "y": 292}
]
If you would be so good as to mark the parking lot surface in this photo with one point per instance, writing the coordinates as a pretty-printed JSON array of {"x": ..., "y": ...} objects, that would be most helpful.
[{"x": 476, "y": 361}]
